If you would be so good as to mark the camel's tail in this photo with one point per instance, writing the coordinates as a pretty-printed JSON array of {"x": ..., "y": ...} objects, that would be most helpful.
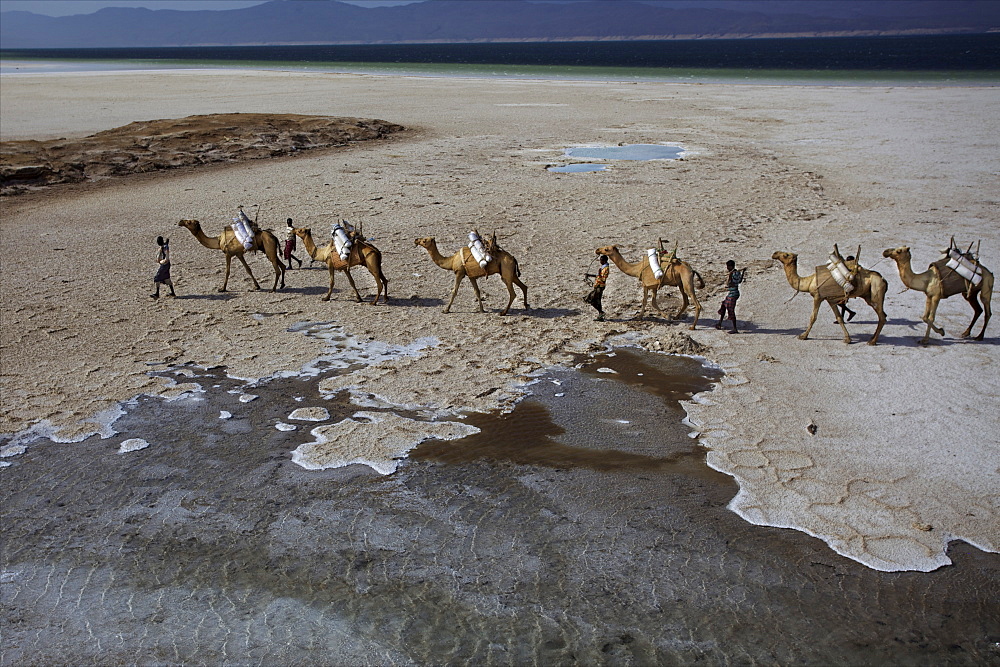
[{"x": 701, "y": 281}]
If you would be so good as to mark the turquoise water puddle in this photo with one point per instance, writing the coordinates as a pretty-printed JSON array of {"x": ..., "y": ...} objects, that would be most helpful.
[{"x": 626, "y": 152}]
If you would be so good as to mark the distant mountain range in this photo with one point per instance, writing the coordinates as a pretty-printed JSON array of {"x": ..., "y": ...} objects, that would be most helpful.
[{"x": 332, "y": 22}]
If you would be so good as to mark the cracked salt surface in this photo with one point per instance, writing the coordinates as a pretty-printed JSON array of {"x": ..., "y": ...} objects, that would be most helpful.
[{"x": 346, "y": 352}]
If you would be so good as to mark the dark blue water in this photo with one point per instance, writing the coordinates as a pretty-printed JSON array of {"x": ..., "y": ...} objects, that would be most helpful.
[{"x": 954, "y": 53}]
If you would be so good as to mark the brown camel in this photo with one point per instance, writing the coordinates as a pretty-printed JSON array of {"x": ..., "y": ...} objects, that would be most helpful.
[
  {"x": 929, "y": 282},
  {"x": 676, "y": 274},
  {"x": 501, "y": 262},
  {"x": 231, "y": 247},
  {"x": 362, "y": 252},
  {"x": 871, "y": 287}
]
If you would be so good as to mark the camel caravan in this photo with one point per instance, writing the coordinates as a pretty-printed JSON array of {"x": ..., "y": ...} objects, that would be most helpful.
[{"x": 836, "y": 282}]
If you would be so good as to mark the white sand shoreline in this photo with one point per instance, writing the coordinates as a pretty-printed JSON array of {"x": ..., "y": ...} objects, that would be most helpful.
[{"x": 904, "y": 433}]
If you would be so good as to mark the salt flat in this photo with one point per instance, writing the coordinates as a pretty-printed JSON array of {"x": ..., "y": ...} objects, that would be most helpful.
[{"x": 904, "y": 457}]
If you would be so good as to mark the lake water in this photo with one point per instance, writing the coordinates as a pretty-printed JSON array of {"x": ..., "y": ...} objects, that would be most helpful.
[{"x": 921, "y": 59}]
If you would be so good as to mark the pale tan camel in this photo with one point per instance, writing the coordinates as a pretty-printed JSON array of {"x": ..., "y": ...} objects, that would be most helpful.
[
  {"x": 501, "y": 262},
  {"x": 362, "y": 252},
  {"x": 929, "y": 282},
  {"x": 231, "y": 247},
  {"x": 676, "y": 274},
  {"x": 871, "y": 287}
]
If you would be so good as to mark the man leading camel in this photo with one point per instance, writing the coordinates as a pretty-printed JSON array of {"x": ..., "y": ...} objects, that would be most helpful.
[
  {"x": 600, "y": 281},
  {"x": 290, "y": 244},
  {"x": 162, "y": 276},
  {"x": 733, "y": 280}
]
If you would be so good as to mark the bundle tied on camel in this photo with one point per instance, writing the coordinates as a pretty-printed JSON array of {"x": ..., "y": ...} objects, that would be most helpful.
[
  {"x": 245, "y": 229},
  {"x": 476, "y": 256},
  {"x": 341, "y": 233},
  {"x": 656, "y": 258},
  {"x": 835, "y": 280},
  {"x": 960, "y": 272}
]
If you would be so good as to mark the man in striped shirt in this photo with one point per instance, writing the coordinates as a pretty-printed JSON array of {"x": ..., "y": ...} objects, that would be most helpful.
[{"x": 733, "y": 280}]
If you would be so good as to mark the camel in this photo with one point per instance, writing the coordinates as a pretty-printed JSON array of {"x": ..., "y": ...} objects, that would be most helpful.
[
  {"x": 231, "y": 247},
  {"x": 676, "y": 274},
  {"x": 871, "y": 287},
  {"x": 362, "y": 252},
  {"x": 929, "y": 282},
  {"x": 501, "y": 262}
]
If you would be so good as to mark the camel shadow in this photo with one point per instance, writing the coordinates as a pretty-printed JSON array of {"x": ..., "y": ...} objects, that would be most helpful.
[
  {"x": 310, "y": 290},
  {"x": 419, "y": 302},
  {"x": 545, "y": 313},
  {"x": 223, "y": 296}
]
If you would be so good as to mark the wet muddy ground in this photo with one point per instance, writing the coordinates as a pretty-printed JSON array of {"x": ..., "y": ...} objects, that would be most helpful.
[{"x": 582, "y": 528}]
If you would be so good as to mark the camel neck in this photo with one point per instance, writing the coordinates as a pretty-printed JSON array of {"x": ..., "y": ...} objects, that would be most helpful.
[
  {"x": 437, "y": 257},
  {"x": 208, "y": 241},
  {"x": 794, "y": 279},
  {"x": 910, "y": 279},
  {"x": 626, "y": 267},
  {"x": 307, "y": 241}
]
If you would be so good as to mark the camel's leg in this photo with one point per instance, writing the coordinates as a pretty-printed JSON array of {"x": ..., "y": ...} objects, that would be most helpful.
[
  {"x": 357, "y": 294},
  {"x": 684, "y": 304},
  {"x": 645, "y": 295},
  {"x": 656, "y": 305},
  {"x": 929, "y": 314},
  {"x": 458, "y": 281},
  {"x": 697, "y": 307},
  {"x": 880, "y": 311},
  {"x": 256, "y": 285},
  {"x": 479, "y": 296},
  {"x": 932, "y": 304},
  {"x": 986, "y": 295},
  {"x": 840, "y": 321},
  {"x": 279, "y": 271},
  {"x": 973, "y": 299},
  {"x": 225, "y": 281},
  {"x": 524, "y": 290},
  {"x": 510, "y": 292},
  {"x": 374, "y": 266},
  {"x": 329, "y": 291},
  {"x": 812, "y": 319},
  {"x": 875, "y": 298}
]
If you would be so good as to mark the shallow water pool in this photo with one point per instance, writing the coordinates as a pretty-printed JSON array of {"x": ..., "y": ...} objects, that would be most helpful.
[
  {"x": 628, "y": 152},
  {"x": 623, "y": 152},
  {"x": 577, "y": 168}
]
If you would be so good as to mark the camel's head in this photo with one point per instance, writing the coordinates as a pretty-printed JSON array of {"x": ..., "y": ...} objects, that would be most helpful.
[
  {"x": 190, "y": 224},
  {"x": 424, "y": 242},
  {"x": 302, "y": 232},
  {"x": 785, "y": 257},
  {"x": 902, "y": 252},
  {"x": 606, "y": 250}
]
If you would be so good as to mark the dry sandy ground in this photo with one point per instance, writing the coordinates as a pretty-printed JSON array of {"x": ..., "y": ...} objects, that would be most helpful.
[{"x": 904, "y": 457}]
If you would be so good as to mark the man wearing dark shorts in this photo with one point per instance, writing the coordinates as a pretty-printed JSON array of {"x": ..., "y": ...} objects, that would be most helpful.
[{"x": 733, "y": 280}]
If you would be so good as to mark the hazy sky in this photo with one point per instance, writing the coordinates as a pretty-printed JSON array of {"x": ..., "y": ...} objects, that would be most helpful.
[{"x": 66, "y": 7}]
